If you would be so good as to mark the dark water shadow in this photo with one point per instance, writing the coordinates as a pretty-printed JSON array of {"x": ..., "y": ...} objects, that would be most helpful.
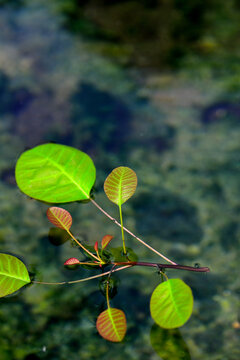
[
  {"x": 100, "y": 119},
  {"x": 221, "y": 112},
  {"x": 168, "y": 215},
  {"x": 16, "y": 4},
  {"x": 7, "y": 176},
  {"x": 229, "y": 236},
  {"x": 35, "y": 117},
  {"x": 206, "y": 285},
  {"x": 5, "y": 94}
]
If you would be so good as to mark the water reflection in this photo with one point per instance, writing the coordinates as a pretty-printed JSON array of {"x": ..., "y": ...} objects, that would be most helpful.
[
  {"x": 57, "y": 236},
  {"x": 222, "y": 112},
  {"x": 169, "y": 344}
]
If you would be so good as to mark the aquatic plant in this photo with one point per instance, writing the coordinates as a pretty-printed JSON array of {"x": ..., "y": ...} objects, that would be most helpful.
[{"x": 56, "y": 173}]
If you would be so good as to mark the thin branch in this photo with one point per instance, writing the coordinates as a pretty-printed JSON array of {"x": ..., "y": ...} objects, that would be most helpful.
[
  {"x": 107, "y": 287},
  {"x": 130, "y": 233},
  {"x": 164, "y": 266},
  {"x": 81, "y": 280},
  {"x": 128, "y": 265}
]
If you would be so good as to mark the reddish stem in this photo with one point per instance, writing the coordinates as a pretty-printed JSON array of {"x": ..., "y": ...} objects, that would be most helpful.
[{"x": 164, "y": 266}]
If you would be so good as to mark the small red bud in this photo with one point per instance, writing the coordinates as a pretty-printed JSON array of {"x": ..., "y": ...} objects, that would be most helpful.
[
  {"x": 96, "y": 246},
  {"x": 72, "y": 261}
]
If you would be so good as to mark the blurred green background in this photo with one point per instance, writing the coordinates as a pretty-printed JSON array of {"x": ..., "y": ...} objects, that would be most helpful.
[{"x": 153, "y": 85}]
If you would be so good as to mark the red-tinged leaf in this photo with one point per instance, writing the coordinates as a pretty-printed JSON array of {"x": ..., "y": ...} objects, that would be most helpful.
[
  {"x": 96, "y": 246},
  {"x": 106, "y": 240},
  {"x": 111, "y": 324},
  {"x": 59, "y": 217},
  {"x": 72, "y": 261}
]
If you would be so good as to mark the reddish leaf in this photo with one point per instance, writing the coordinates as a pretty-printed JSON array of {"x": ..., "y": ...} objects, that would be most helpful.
[
  {"x": 106, "y": 240},
  {"x": 111, "y": 324},
  {"x": 96, "y": 246},
  {"x": 59, "y": 217},
  {"x": 72, "y": 261}
]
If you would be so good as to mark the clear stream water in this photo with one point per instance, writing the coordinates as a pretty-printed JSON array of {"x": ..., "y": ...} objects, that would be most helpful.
[{"x": 180, "y": 133}]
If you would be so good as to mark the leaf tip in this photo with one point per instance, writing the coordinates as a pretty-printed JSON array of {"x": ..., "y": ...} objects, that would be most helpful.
[{"x": 106, "y": 240}]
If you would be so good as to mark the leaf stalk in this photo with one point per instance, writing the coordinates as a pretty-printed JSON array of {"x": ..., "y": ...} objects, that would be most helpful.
[
  {"x": 122, "y": 231},
  {"x": 83, "y": 247}
]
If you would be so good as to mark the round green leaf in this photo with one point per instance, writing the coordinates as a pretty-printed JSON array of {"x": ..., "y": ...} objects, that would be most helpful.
[
  {"x": 55, "y": 173},
  {"x": 119, "y": 256},
  {"x": 120, "y": 184},
  {"x": 171, "y": 304},
  {"x": 13, "y": 274}
]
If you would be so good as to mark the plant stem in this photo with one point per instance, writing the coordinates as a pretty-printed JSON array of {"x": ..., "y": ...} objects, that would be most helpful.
[
  {"x": 164, "y": 266},
  {"x": 81, "y": 280},
  {"x": 121, "y": 220},
  {"x": 107, "y": 294},
  {"x": 130, "y": 233},
  {"x": 128, "y": 265},
  {"x": 163, "y": 276},
  {"x": 89, "y": 252}
]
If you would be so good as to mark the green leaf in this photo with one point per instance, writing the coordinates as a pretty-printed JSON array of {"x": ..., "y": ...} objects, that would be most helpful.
[
  {"x": 118, "y": 255},
  {"x": 13, "y": 274},
  {"x": 169, "y": 344},
  {"x": 111, "y": 324},
  {"x": 171, "y": 304},
  {"x": 59, "y": 217},
  {"x": 55, "y": 173},
  {"x": 120, "y": 185}
]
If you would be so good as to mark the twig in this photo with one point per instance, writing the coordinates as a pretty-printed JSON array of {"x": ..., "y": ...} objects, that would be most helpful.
[
  {"x": 130, "y": 233},
  {"x": 164, "y": 266},
  {"x": 81, "y": 280}
]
